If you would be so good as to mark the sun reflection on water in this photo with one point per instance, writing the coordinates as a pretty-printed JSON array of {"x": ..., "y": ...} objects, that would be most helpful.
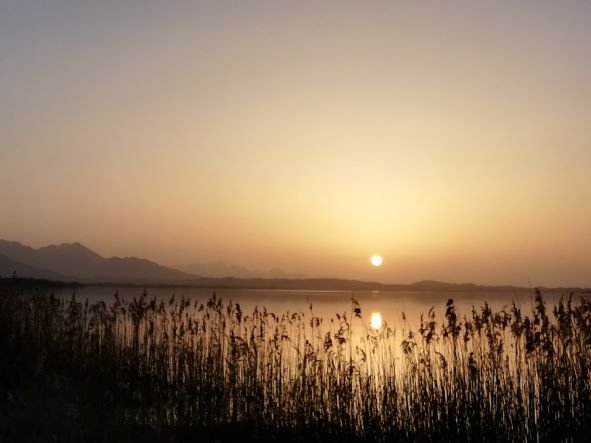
[{"x": 376, "y": 320}]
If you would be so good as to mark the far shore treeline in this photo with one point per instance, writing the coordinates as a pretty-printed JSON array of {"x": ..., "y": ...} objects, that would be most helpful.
[{"x": 318, "y": 284}]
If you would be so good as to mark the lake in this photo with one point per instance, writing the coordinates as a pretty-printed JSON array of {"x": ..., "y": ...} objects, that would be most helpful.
[{"x": 325, "y": 304}]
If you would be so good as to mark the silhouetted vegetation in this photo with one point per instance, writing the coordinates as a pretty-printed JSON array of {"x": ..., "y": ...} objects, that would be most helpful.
[
  {"x": 25, "y": 283},
  {"x": 154, "y": 370}
]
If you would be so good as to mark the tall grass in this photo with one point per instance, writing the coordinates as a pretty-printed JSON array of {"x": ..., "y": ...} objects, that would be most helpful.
[{"x": 487, "y": 376}]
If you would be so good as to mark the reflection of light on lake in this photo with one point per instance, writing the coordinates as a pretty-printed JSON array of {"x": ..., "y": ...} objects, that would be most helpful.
[
  {"x": 375, "y": 292},
  {"x": 376, "y": 320}
]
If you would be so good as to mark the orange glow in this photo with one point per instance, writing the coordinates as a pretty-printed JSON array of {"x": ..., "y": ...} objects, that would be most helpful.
[{"x": 456, "y": 141}]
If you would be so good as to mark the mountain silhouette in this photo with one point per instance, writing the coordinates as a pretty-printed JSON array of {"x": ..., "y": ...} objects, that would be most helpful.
[
  {"x": 74, "y": 261},
  {"x": 9, "y": 267}
]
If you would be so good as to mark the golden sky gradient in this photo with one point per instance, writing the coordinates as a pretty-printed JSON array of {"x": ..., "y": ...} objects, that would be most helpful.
[{"x": 453, "y": 138}]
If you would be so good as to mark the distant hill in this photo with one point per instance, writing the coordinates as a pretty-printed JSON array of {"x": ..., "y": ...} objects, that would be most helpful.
[
  {"x": 222, "y": 270},
  {"x": 9, "y": 267},
  {"x": 320, "y": 284},
  {"x": 76, "y": 262},
  {"x": 432, "y": 285},
  {"x": 336, "y": 284},
  {"x": 349, "y": 285}
]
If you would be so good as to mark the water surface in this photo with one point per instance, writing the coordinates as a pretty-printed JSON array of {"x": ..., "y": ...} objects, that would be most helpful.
[{"x": 326, "y": 304}]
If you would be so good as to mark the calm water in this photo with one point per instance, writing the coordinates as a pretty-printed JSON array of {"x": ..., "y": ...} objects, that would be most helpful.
[{"x": 390, "y": 304}]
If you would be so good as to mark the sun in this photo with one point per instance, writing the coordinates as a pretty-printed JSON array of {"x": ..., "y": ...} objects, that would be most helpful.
[{"x": 376, "y": 260}]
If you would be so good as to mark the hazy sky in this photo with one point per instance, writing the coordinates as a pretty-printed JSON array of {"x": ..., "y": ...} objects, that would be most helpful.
[{"x": 454, "y": 138}]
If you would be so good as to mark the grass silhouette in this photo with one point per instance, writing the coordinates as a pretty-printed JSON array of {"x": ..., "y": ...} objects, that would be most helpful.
[{"x": 156, "y": 370}]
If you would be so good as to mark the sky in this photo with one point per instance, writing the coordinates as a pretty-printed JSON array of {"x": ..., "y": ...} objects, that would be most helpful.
[{"x": 453, "y": 138}]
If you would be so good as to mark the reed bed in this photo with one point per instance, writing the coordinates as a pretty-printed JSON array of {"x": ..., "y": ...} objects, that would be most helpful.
[{"x": 185, "y": 364}]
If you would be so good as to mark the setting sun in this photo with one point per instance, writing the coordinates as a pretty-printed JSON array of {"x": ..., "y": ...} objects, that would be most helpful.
[{"x": 376, "y": 260}]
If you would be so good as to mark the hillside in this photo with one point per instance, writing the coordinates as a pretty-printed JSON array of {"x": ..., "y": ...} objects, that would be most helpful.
[{"x": 76, "y": 262}]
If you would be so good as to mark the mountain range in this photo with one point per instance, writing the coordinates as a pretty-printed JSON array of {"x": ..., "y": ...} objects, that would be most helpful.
[{"x": 75, "y": 262}]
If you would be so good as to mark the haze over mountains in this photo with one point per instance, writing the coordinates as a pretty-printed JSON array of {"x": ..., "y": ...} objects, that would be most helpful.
[
  {"x": 222, "y": 270},
  {"x": 76, "y": 262}
]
